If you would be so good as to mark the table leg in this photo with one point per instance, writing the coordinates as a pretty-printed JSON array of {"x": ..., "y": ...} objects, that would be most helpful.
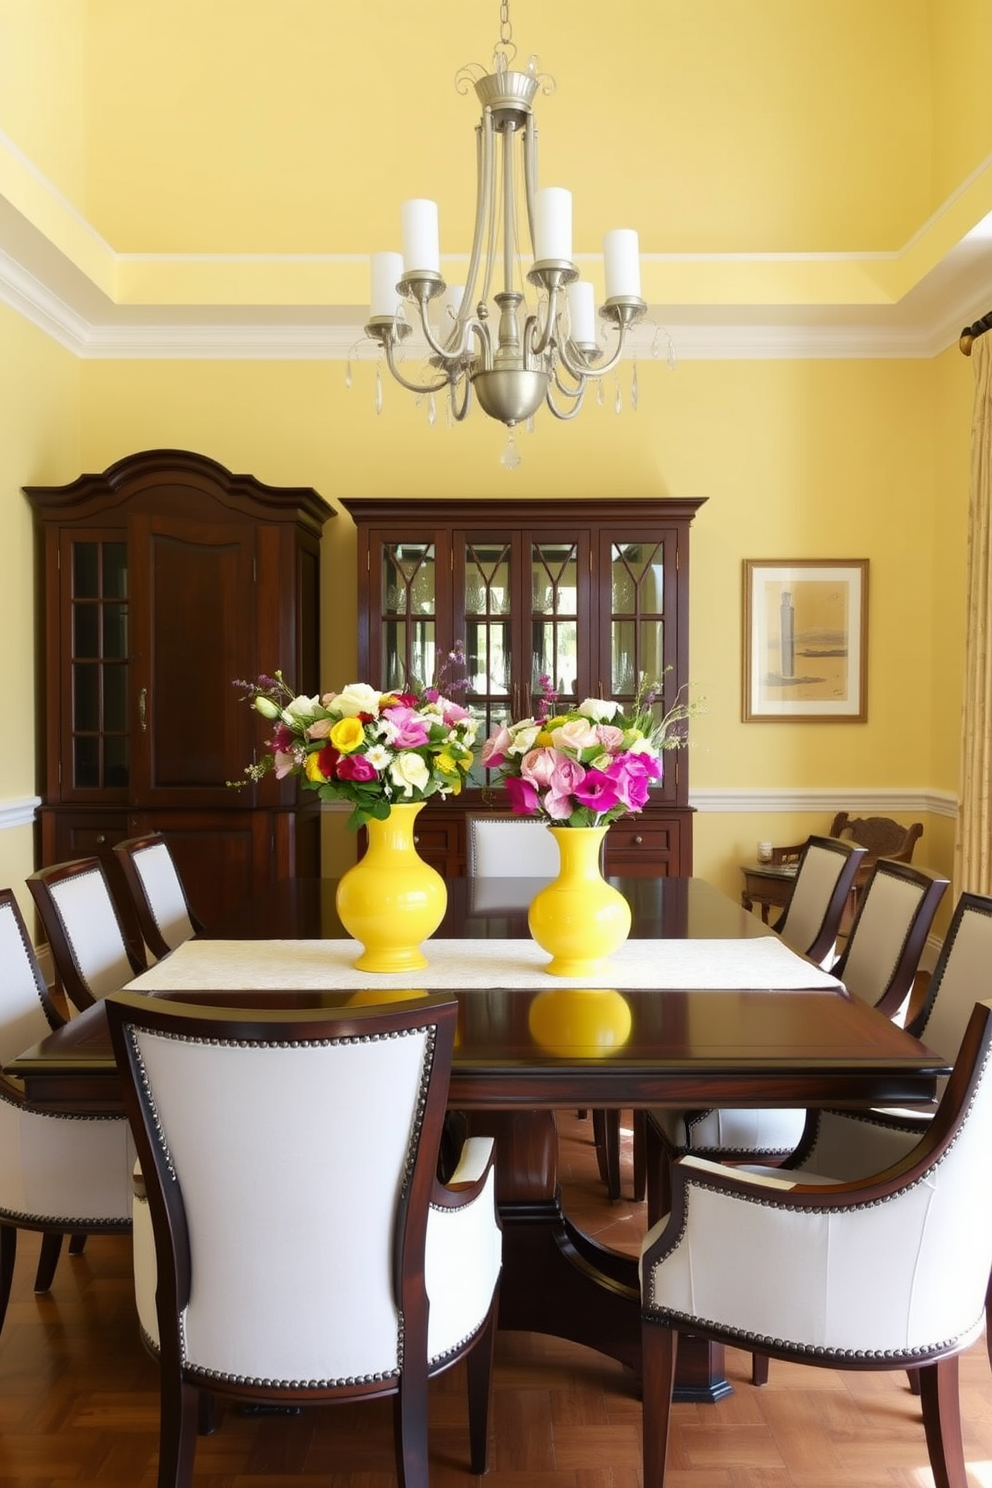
[{"x": 559, "y": 1281}]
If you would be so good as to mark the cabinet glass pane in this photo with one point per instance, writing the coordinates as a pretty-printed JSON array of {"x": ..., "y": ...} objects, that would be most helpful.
[
  {"x": 115, "y": 630},
  {"x": 86, "y": 698},
  {"x": 409, "y": 650},
  {"x": 637, "y": 590},
  {"x": 487, "y": 578},
  {"x": 554, "y": 618},
  {"x": 86, "y": 631},
  {"x": 85, "y": 570},
  {"x": 487, "y": 658},
  {"x": 408, "y": 579},
  {"x": 409, "y": 603},
  {"x": 99, "y": 667}
]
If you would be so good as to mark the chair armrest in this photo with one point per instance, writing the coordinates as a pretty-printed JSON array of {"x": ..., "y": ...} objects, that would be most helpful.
[
  {"x": 850, "y": 1145},
  {"x": 469, "y": 1178},
  {"x": 766, "y": 1177}
]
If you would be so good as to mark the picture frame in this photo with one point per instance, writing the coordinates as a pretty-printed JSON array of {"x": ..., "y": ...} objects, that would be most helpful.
[{"x": 805, "y": 640}]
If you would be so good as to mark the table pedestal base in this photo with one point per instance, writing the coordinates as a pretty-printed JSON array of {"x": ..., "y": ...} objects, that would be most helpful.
[{"x": 556, "y": 1280}]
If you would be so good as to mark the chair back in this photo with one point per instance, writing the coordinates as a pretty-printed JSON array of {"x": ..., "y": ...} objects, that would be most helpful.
[
  {"x": 824, "y": 879},
  {"x": 84, "y": 933},
  {"x": 959, "y": 977},
  {"x": 149, "y": 869},
  {"x": 510, "y": 847},
  {"x": 27, "y": 1013},
  {"x": 879, "y": 835},
  {"x": 289, "y": 1157},
  {"x": 882, "y": 955}
]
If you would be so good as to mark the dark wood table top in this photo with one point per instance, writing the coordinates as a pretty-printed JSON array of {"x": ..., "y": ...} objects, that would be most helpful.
[{"x": 552, "y": 1047}]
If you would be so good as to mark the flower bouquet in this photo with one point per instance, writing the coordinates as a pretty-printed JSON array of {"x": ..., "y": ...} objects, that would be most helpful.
[
  {"x": 587, "y": 766},
  {"x": 374, "y": 749}
]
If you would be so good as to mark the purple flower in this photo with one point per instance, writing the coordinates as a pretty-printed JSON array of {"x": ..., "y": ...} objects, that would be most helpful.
[
  {"x": 407, "y": 729},
  {"x": 598, "y": 792}
]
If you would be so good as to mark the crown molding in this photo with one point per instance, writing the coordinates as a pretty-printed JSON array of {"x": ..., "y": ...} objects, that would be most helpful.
[{"x": 18, "y": 813}]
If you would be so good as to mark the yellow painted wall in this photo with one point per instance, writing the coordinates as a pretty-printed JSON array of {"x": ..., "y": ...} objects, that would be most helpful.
[
  {"x": 42, "y": 51},
  {"x": 39, "y": 436}
]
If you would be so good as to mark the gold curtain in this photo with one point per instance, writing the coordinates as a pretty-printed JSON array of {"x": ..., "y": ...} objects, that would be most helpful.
[{"x": 973, "y": 850}]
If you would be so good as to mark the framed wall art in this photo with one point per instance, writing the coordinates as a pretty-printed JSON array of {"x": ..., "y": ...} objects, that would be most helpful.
[{"x": 806, "y": 639}]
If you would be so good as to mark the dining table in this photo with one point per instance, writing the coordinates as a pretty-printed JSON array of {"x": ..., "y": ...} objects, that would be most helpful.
[{"x": 703, "y": 1005}]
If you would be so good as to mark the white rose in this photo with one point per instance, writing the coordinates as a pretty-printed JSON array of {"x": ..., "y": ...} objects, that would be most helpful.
[
  {"x": 302, "y": 708},
  {"x": 267, "y": 708},
  {"x": 357, "y": 697},
  {"x": 410, "y": 773},
  {"x": 523, "y": 736},
  {"x": 600, "y": 710}
]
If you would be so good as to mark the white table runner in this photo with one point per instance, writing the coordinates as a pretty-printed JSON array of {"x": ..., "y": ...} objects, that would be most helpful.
[{"x": 761, "y": 963}]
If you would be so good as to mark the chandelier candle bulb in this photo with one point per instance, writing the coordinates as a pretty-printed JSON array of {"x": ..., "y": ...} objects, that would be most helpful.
[
  {"x": 421, "y": 244},
  {"x": 623, "y": 264},
  {"x": 582, "y": 310},
  {"x": 553, "y": 224},
  {"x": 386, "y": 271}
]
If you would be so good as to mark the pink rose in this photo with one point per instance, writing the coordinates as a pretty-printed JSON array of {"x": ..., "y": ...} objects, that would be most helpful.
[
  {"x": 524, "y": 800},
  {"x": 538, "y": 766},
  {"x": 355, "y": 767},
  {"x": 407, "y": 729},
  {"x": 495, "y": 747},
  {"x": 610, "y": 737},
  {"x": 598, "y": 792},
  {"x": 577, "y": 734}
]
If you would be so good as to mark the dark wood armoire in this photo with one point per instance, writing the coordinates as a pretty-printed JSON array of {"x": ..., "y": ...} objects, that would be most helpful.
[{"x": 163, "y": 580}]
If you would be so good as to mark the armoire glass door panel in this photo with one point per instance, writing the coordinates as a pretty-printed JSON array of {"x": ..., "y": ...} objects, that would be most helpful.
[
  {"x": 99, "y": 746},
  {"x": 409, "y": 640},
  {"x": 554, "y": 620},
  {"x": 637, "y": 617}
]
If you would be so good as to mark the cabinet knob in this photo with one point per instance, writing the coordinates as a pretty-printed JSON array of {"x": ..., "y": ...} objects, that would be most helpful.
[
  {"x": 638, "y": 841},
  {"x": 101, "y": 839}
]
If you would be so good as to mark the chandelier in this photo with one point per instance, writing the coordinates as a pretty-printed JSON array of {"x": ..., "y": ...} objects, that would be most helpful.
[{"x": 516, "y": 358}]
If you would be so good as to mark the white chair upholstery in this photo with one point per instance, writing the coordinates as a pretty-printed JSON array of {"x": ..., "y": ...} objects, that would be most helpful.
[
  {"x": 824, "y": 878},
  {"x": 276, "y": 1256},
  {"x": 792, "y": 1268},
  {"x": 879, "y": 964},
  {"x": 58, "y": 1174},
  {"x": 510, "y": 847},
  {"x": 157, "y": 892},
  {"x": 88, "y": 946}
]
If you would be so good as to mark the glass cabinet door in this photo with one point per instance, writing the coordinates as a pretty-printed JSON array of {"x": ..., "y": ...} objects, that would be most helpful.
[
  {"x": 408, "y": 615},
  {"x": 97, "y": 749}
]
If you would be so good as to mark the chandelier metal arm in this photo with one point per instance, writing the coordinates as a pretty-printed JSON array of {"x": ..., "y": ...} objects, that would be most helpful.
[
  {"x": 387, "y": 344},
  {"x": 577, "y": 395}
]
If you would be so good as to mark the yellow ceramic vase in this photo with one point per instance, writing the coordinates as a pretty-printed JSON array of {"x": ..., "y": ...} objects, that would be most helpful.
[
  {"x": 392, "y": 901},
  {"x": 579, "y": 919}
]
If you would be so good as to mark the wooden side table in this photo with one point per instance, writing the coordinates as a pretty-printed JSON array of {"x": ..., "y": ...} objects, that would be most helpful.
[{"x": 767, "y": 885}]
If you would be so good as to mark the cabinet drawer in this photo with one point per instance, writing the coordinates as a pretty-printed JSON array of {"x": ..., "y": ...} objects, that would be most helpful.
[
  {"x": 90, "y": 838},
  {"x": 628, "y": 838}
]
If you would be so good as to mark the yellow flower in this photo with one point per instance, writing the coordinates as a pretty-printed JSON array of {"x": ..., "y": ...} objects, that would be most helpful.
[
  {"x": 347, "y": 734},
  {"x": 312, "y": 768}
]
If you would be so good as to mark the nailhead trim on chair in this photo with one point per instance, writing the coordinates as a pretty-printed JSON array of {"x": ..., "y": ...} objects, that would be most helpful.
[
  {"x": 60, "y": 1221},
  {"x": 60, "y": 1116},
  {"x": 275, "y": 1384},
  {"x": 762, "y": 1342}
]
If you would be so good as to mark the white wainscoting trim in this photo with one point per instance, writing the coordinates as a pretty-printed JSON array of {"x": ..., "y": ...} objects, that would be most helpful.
[
  {"x": 18, "y": 813},
  {"x": 875, "y": 802}
]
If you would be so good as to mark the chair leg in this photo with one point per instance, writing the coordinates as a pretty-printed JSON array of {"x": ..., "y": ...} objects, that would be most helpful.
[
  {"x": 640, "y": 1156},
  {"x": 8, "y": 1254},
  {"x": 410, "y": 1428},
  {"x": 942, "y": 1422},
  {"x": 913, "y": 1378},
  {"x": 51, "y": 1249},
  {"x": 177, "y": 1433},
  {"x": 77, "y": 1244},
  {"x": 606, "y": 1133},
  {"x": 480, "y": 1376},
  {"x": 657, "y": 1182},
  {"x": 759, "y": 1369},
  {"x": 659, "y": 1346}
]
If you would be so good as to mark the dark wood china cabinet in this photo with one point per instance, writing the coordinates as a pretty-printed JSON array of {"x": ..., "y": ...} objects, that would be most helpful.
[
  {"x": 592, "y": 594},
  {"x": 162, "y": 580}
]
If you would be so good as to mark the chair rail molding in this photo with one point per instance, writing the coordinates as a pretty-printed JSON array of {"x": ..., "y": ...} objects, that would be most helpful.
[
  {"x": 876, "y": 800},
  {"x": 18, "y": 812}
]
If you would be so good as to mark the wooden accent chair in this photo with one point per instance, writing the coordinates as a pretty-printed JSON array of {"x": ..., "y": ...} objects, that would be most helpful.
[
  {"x": 164, "y": 915},
  {"x": 91, "y": 953},
  {"x": 791, "y": 1266},
  {"x": 279, "y": 1260},
  {"x": 60, "y": 1175},
  {"x": 879, "y": 965}
]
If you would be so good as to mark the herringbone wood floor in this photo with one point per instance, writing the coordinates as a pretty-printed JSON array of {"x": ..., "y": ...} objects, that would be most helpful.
[{"x": 78, "y": 1403}]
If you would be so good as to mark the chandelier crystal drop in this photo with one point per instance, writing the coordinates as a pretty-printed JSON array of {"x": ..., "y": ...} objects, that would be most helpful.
[{"x": 482, "y": 336}]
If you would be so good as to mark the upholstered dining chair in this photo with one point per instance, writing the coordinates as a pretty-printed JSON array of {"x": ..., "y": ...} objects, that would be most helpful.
[
  {"x": 164, "y": 914},
  {"x": 60, "y": 1175},
  {"x": 509, "y": 847},
  {"x": 878, "y": 964},
  {"x": 848, "y": 1145},
  {"x": 811, "y": 916},
  {"x": 278, "y": 1260},
  {"x": 791, "y": 1266},
  {"x": 91, "y": 954}
]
